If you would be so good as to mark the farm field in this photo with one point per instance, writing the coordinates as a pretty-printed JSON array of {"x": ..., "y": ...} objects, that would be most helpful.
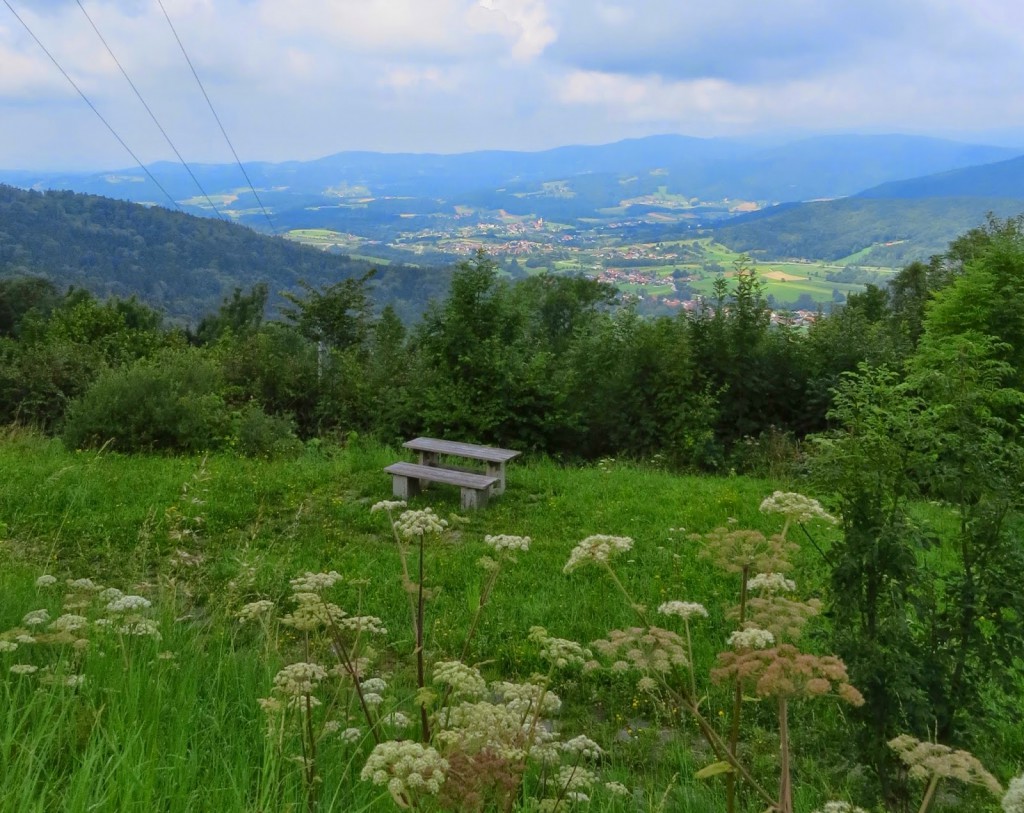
[
  {"x": 669, "y": 271},
  {"x": 172, "y": 720}
]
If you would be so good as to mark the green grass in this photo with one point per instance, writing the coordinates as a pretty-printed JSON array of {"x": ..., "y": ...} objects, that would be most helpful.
[{"x": 186, "y": 733}]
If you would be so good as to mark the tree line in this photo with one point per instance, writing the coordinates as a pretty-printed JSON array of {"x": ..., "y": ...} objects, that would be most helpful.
[{"x": 554, "y": 364}]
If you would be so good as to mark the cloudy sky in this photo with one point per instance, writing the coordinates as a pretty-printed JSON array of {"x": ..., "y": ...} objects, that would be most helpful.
[{"x": 298, "y": 79}]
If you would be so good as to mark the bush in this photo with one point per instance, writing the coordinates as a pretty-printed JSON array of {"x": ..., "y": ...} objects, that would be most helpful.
[
  {"x": 171, "y": 402},
  {"x": 258, "y": 434}
]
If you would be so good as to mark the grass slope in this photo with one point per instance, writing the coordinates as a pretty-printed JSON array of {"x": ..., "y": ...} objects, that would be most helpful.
[{"x": 173, "y": 724}]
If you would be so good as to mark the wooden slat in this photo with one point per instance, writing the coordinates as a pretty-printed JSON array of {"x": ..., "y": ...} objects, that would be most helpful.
[
  {"x": 439, "y": 475},
  {"x": 469, "y": 450}
]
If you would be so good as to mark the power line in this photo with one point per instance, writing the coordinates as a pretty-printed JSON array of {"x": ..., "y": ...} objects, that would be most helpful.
[
  {"x": 215, "y": 116},
  {"x": 85, "y": 98},
  {"x": 152, "y": 115}
]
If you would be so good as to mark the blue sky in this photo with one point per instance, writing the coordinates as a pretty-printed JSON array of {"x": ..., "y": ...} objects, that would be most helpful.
[{"x": 299, "y": 79}]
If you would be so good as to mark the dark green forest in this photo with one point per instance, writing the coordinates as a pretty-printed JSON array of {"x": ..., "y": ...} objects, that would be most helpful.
[{"x": 179, "y": 264}]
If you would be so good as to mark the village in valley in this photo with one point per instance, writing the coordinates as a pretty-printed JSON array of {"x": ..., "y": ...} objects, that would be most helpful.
[{"x": 663, "y": 264}]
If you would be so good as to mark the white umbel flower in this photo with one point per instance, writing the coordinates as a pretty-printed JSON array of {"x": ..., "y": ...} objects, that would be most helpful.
[
  {"x": 413, "y": 524},
  {"x": 796, "y": 507},
  {"x": 752, "y": 638},
  {"x": 502, "y": 542},
  {"x": 597, "y": 548},
  {"x": 128, "y": 604},
  {"x": 36, "y": 618},
  {"x": 684, "y": 609},
  {"x": 771, "y": 583},
  {"x": 405, "y": 768},
  {"x": 464, "y": 680}
]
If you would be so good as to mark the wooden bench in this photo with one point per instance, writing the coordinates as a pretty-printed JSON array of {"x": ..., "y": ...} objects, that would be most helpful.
[
  {"x": 431, "y": 449},
  {"x": 407, "y": 479}
]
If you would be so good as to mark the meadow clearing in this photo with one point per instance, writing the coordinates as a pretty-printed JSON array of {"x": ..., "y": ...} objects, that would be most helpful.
[{"x": 162, "y": 688}]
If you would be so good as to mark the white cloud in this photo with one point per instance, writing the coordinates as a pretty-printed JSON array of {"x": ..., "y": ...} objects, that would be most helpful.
[
  {"x": 301, "y": 78},
  {"x": 529, "y": 20}
]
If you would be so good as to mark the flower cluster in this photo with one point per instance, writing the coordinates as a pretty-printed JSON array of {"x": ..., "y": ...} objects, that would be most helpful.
[
  {"x": 36, "y": 618},
  {"x": 783, "y": 617},
  {"x": 559, "y": 652},
  {"x": 583, "y": 746},
  {"x": 684, "y": 609},
  {"x": 387, "y": 505},
  {"x": 128, "y": 604},
  {"x": 751, "y": 638},
  {"x": 504, "y": 542},
  {"x": 649, "y": 649},
  {"x": 483, "y": 725},
  {"x": 254, "y": 610},
  {"x": 463, "y": 680},
  {"x": 784, "y": 671},
  {"x": 1013, "y": 801},
  {"x": 928, "y": 759},
  {"x": 369, "y": 624},
  {"x": 795, "y": 507},
  {"x": 599, "y": 548},
  {"x": 571, "y": 777},
  {"x": 771, "y": 583},
  {"x": 90, "y": 616},
  {"x": 617, "y": 789},
  {"x": 510, "y": 727},
  {"x": 69, "y": 622},
  {"x": 414, "y": 524},
  {"x": 315, "y": 582},
  {"x": 840, "y": 807},
  {"x": 525, "y": 699},
  {"x": 748, "y": 551},
  {"x": 312, "y": 612},
  {"x": 406, "y": 769},
  {"x": 298, "y": 679}
]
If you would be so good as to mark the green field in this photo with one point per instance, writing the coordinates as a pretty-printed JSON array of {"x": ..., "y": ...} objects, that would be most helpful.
[
  {"x": 174, "y": 722},
  {"x": 701, "y": 259}
]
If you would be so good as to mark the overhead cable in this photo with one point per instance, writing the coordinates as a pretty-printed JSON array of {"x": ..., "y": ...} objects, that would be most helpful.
[
  {"x": 152, "y": 115},
  {"x": 215, "y": 116},
  {"x": 85, "y": 98}
]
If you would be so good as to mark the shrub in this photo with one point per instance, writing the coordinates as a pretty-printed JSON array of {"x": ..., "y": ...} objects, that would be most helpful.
[
  {"x": 171, "y": 402},
  {"x": 258, "y": 434}
]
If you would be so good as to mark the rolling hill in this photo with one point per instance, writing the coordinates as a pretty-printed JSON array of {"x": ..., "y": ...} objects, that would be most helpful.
[
  {"x": 886, "y": 225},
  {"x": 182, "y": 264}
]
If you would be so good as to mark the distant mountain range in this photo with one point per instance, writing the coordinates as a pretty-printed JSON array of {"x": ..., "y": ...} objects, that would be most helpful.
[
  {"x": 567, "y": 184},
  {"x": 891, "y": 199}
]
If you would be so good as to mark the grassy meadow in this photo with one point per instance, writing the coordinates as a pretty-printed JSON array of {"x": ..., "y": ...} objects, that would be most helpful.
[{"x": 171, "y": 721}]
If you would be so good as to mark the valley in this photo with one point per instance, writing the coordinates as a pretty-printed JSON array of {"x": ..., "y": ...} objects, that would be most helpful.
[{"x": 660, "y": 275}]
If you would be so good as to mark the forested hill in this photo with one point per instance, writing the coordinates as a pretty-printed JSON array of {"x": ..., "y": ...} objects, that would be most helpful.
[
  {"x": 880, "y": 231},
  {"x": 1004, "y": 179},
  {"x": 182, "y": 264}
]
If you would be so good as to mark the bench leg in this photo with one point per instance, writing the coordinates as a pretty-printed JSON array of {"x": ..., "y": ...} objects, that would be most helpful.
[
  {"x": 404, "y": 487},
  {"x": 473, "y": 498},
  {"x": 497, "y": 470},
  {"x": 428, "y": 459}
]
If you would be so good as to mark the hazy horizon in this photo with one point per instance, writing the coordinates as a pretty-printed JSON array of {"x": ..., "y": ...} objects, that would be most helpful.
[{"x": 311, "y": 78}]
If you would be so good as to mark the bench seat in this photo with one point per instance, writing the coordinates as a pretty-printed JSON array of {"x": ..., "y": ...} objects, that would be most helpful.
[
  {"x": 431, "y": 449},
  {"x": 408, "y": 477}
]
